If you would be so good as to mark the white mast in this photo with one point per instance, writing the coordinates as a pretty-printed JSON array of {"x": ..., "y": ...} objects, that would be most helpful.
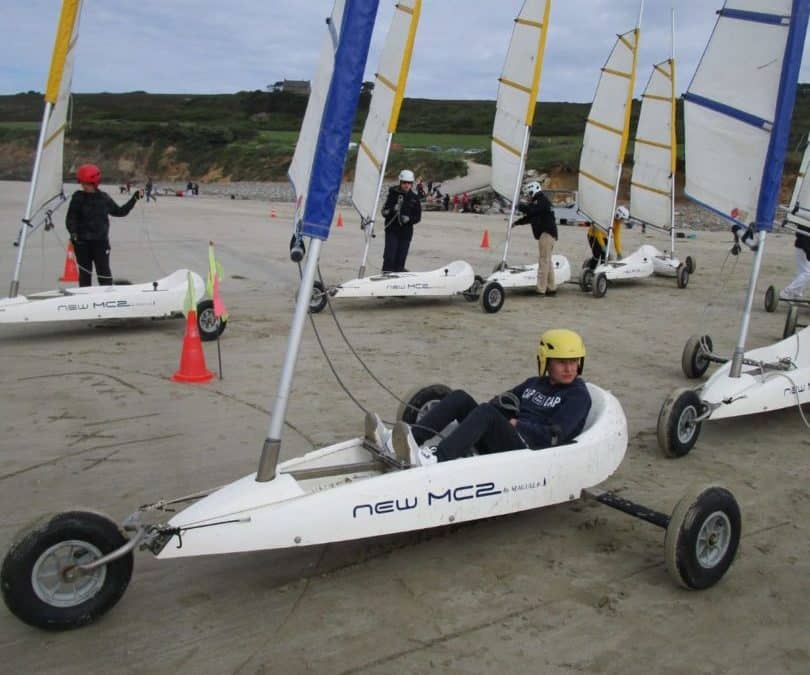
[
  {"x": 518, "y": 89},
  {"x": 46, "y": 177}
]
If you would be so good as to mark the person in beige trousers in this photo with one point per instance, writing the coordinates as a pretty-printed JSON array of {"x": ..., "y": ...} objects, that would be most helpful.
[{"x": 539, "y": 213}]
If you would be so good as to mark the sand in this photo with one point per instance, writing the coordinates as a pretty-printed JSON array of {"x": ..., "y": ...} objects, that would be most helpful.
[{"x": 89, "y": 419}]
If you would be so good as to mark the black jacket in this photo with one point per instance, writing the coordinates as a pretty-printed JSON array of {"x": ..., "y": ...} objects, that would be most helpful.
[
  {"x": 803, "y": 241},
  {"x": 549, "y": 411},
  {"x": 88, "y": 216},
  {"x": 401, "y": 209},
  {"x": 540, "y": 215}
]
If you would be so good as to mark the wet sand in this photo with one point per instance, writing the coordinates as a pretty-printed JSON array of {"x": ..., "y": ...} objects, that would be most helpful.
[{"x": 90, "y": 419}]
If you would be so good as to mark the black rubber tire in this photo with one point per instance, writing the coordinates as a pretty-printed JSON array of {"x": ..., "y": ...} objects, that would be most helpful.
[
  {"x": 209, "y": 325},
  {"x": 702, "y": 537},
  {"x": 682, "y": 276},
  {"x": 418, "y": 400},
  {"x": 677, "y": 430},
  {"x": 492, "y": 297},
  {"x": 690, "y": 263},
  {"x": 32, "y": 543},
  {"x": 791, "y": 321},
  {"x": 600, "y": 285},
  {"x": 771, "y": 299},
  {"x": 318, "y": 300},
  {"x": 586, "y": 279},
  {"x": 693, "y": 362}
]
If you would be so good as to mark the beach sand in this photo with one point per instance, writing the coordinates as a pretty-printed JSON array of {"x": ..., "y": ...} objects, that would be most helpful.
[{"x": 90, "y": 419}]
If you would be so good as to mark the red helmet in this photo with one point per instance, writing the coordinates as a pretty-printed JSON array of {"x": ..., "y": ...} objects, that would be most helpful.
[{"x": 89, "y": 173}]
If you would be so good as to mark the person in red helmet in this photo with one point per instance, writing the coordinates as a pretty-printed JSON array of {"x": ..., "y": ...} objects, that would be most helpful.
[{"x": 88, "y": 222}]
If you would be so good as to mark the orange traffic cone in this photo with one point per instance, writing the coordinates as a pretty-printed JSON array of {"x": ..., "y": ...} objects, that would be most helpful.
[
  {"x": 340, "y": 220},
  {"x": 272, "y": 213},
  {"x": 71, "y": 272},
  {"x": 192, "y": 359},
  {"x": 485, "y": 239}
]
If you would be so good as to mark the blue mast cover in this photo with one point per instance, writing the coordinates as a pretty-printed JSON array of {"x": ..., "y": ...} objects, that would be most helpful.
[
  {"x": 775, "y": 159},
  {"x": 338, "y": 116}
]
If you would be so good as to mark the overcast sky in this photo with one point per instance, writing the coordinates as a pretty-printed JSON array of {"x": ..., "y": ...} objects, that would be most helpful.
[{"x": 208, "y": 46}]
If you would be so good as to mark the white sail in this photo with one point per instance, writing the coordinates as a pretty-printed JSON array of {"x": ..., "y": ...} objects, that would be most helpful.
[
  {"x": 301, "y": 164},
  {"x": 799, "y": 209},
  {"x": 48, "y": 191},
  {"x": 655, "y": 149},
  {"x": 386, "y": 101},
  {"x": 606, "y": 131},
  {"x": 517, "y": 96},
  {"x": 730, "y": 107}
]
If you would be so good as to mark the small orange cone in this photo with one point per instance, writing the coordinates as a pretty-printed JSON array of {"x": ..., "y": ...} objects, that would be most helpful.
[
  {"x": 485, "y": 239},
  {"x": 71, "y": 272},
  {"x": 340, "y": 220},
  {"x": 192, "y": 359}
]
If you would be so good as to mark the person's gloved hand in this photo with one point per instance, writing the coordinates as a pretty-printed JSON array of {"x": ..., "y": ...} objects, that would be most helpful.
[{"x": 404, "y": 220}]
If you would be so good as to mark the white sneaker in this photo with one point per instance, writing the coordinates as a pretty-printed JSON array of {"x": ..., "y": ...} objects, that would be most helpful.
[
  {"x": 377, "y": 433},
  {"x": 787, "y": 295},
  {"x": 406, "y": 448}
]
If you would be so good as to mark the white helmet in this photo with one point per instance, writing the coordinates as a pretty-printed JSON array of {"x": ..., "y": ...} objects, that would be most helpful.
[
  {"x": 406, "y": 175},
  {"x": 533, "y": 188},
  {"x": 622, "y": 213}
]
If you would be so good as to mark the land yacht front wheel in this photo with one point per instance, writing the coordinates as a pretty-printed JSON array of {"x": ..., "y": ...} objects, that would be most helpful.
[
  {"x": 209, "y": 324},
  {"x": 693, "y": 360},
  {"x": 492, "y": 297},
  {"x": 690, "y": 263},
  {"x": 678, "y": 426},
  {"x": 41, "y": 580},
  {"x": 419, "y": 400},
  {"x": 702, "y": 537},
  {"x": 586, "y": 279},
  {"x": 682, "y": 276},
  {"x": 791, "y": 321},
  {"x": 600, "y": 285},
  {"x": 318, "y": 299},
  {"x": 771, "y": 299}
]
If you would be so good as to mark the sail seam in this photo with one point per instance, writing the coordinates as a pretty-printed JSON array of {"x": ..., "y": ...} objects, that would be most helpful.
[
  {"x": 654, "y": 144},
  {"x": 386, "y": 82},
  {"x": 370, "y": 155},
  {"x": 619, "y": 73},
  {"x": 657, "y": 97},
  {"x": 506, "y": 146},
  {"x": 529, "y": 22},
  {"x": 404, "y": 8},
  {"x": 729, "y": 111},
  {"x": 650, "y": 188},
  {"x": 614, "y": 130},
  {"x": 601, "y": 182}
]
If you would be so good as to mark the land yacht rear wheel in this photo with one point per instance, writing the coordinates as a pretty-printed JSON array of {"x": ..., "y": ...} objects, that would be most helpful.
[
  {"x": 208, "y": 323},
  {"x": 693, "y": 360},
  {"x": 771, "y": 299},
  {"x": 419, "y": 400},
  {"x": 702, "y": 537},
  {"x": 690, "y": 263},
  {"x": 791, "y": 321},
  {"x": 600, "y": 285},
  {"x": 492, "y": 297},
  {"x": 682, "y": 276},
  {"x": 318, "y": 299},
  {"x": 586, "y": 279}
]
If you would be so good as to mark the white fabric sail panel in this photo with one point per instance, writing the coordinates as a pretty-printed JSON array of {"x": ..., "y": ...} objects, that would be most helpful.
[
  {"x": 383, "y": 112},
  {"x": 514, "y": 105},
  {"x": 651, "y": 183},
  {"x": 740, "y": 69},
  {"x": 50, "y": 182},
  {"x": 605, "y": 138},
  {"x": 799, "y": 209},
  {"x": 301, "y": 165}
]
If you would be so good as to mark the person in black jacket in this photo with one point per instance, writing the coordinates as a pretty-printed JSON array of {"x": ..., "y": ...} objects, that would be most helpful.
[
  {"x": 402, "y": 210},
  {"x": 88, "y": 222},
  {"x": 546, "y": 410},
  {"x": 795, "y": 289},
  {"x": 539, "y": 213}
]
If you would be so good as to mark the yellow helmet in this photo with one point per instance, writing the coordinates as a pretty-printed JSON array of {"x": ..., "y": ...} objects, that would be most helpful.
[{"x": 560, "y": 343}]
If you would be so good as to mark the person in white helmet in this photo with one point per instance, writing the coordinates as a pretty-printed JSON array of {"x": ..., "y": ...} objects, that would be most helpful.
[
  {"x": 539, "y": 213},
  {"x": 543, "y": 411},
  {"x": 402, "y": 210}
]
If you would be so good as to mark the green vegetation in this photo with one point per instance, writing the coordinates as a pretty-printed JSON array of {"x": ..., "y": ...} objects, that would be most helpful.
[{"x": 251, "y": 135}]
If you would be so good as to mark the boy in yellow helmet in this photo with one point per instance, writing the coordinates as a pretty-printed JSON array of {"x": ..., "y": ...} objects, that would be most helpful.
[{"x": 545, "y": 410}]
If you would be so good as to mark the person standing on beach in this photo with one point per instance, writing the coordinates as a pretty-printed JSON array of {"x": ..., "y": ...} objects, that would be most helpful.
[
  {"x": 539, "y": 213},
  {"x": 795, "y": 289},
  {"x": 150, "y": 191},
  {"x": 88, "y": 222},
  {"x": 402, "y": 210}
]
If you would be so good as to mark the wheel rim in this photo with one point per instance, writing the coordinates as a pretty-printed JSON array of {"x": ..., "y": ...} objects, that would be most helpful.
[
  {"x": 425, "y": 408},
  {"x": 686, "y": 424},
  {"x": 208, "y": 321},
  {"x": 48, "y": 575},
  {"x": 493, "y": 297},
  {"x": 713, "y": 540}
]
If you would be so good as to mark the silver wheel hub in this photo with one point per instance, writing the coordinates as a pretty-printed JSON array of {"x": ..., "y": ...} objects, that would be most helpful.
[
  {"x": 713, "y": 540},
  {"x": 686, "y": 424},
  {"x": 208, "y": 320},
  {"x": 57, "y": 582}
]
